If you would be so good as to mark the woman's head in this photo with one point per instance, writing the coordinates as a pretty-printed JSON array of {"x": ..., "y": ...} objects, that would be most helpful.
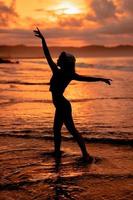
[{"x": 66, "y": 62}]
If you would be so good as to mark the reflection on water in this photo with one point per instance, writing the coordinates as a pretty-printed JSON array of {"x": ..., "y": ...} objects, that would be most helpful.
[
  {"x": 30, "y": 171},
  {"x": 99, "y": 110}
]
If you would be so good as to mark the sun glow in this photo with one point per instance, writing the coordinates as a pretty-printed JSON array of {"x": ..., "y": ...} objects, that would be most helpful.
[{"x": 68, "y": 8}]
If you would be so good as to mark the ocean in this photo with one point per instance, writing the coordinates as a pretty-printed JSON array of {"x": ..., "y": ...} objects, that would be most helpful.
[{"x": 101, "y": 113}]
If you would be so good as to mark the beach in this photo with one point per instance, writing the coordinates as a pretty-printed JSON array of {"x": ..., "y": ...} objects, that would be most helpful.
[
  {"x": 29, "y": 171},
  {"x": 103, "y": 115}
]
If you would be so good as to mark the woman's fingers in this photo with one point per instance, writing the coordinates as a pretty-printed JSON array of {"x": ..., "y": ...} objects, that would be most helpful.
[
  {"x": 35, "y": 31},
  {"x": 38, "y": 30},
  {"x": 108, "y": 81},
  {"x": 37, "y": 35}
]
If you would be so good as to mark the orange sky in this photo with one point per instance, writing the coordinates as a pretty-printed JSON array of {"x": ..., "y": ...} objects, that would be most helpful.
[{"x": 70, "y": 22}]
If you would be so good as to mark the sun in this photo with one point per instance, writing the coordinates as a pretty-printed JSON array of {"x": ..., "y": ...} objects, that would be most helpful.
[{"x": 68, "y": 8}]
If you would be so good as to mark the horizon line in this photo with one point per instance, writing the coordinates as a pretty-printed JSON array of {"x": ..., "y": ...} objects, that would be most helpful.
[{"x": 91, "y": 45}]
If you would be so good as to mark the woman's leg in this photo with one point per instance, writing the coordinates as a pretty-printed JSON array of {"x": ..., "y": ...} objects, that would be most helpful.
[
  {"x": 58, "y": 122},
  {"x": 68, "y": 121}
]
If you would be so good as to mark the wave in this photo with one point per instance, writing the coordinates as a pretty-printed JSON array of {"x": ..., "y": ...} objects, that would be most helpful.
[
  {"x": 35, "y": 61},
  {"x": 29, "y": 134},
  {"x": 7, "y": 102},
  {"x": 110, "y": 141},
  {"x": 53, "y": 180},
  {"x": 22, "y": 83},
  {"x": 106, "y": 67}
]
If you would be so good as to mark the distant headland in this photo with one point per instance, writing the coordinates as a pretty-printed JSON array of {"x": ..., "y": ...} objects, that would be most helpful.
[
  {"x": 7, "y": 61},
  {"x": 22, "y": 51}
]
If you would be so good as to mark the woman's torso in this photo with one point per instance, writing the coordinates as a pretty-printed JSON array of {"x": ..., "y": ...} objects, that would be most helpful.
[{"x": 59, "y": 81}]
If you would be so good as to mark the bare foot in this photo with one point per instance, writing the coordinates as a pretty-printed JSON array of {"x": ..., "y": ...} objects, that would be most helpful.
[{"x": 89, "y": 159}]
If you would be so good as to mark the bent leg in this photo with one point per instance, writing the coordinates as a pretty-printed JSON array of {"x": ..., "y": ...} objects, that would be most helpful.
[
  {"x": 58, "y": 122},
  {"x": 68, "y": 120}
]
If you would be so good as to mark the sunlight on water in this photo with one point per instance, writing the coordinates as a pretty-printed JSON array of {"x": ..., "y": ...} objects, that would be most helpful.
[
  {"x": 102, "y": 113},
  {"x": 99, "y": 110}
]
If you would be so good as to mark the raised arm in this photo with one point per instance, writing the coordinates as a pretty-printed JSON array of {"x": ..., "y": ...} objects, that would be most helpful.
[
  {"x": 90, "y": 79},
  {"x": 50, "y": 61}
]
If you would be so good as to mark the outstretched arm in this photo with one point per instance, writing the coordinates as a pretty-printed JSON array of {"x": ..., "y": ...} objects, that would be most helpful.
[
  {"x": 50, "y": 61},
  {"x": 90, "y": 79}
]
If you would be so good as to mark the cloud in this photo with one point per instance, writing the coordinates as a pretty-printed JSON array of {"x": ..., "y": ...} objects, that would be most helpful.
[
  {"x": 121, "y": 27},
  {"x": 39, "y": 10},
  {"x": 102, "y": 9},
  {"x": 60, "y": 18},
  {"x": 60, "y": 36},
  {"x": 16, "y": 36},
  {"x": 71, "y": 21},
  {"x": 8, "y": 14},
  {"x": 114, "y": 20},
  {"x": 109, "y": 22},
  {"x": 127, "y": 5}
]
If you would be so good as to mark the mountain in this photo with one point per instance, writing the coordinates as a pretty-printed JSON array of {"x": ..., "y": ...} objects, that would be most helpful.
[{"x": 22, "y": 51}]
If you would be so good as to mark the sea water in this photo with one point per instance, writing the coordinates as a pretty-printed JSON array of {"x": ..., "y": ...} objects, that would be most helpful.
[{"x": 100, "y": 112}]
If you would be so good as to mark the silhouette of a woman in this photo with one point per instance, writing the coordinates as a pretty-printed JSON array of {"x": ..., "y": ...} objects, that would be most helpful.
[{"x": 63, "y": 74}]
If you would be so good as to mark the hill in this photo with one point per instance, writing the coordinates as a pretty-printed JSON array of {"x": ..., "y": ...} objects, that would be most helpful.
[{"x": 22, "y": 51}]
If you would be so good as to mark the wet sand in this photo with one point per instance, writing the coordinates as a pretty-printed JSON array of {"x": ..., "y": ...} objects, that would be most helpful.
[{"x": 29, "y": 171}]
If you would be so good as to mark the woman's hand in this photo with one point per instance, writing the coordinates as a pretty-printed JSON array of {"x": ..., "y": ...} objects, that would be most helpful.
[
  {"x": 107, "y": 81},
  {"x": 38, "y": 33}
]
